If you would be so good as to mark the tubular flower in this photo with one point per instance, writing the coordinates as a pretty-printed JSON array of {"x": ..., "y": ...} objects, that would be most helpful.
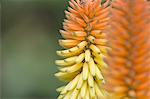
[
  {"x": 84, "y": 46},
  {"x": 128, "y": 76}
]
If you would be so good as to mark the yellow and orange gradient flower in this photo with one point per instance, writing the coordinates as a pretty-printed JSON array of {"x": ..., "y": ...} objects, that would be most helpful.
[
  {"x": 128, "y": 75},
  {"x": 85, "y": 47}
]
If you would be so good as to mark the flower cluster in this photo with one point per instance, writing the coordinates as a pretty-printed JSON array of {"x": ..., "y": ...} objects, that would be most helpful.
[
  {"x": 84, "y": 42},
  {"x": 128, "y": 75}
]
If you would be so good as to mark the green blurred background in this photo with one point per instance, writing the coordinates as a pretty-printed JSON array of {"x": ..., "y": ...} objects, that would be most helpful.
[{"x": 29, "y": 41}]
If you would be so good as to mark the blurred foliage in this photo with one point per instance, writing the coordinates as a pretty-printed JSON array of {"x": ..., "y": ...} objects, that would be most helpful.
[{"x": 29, "y": 39}]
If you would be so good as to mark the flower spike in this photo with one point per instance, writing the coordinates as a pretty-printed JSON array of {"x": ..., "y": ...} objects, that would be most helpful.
[
  {"x": 128, "y": 75},
  {"x": 84, "y": 42}
]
